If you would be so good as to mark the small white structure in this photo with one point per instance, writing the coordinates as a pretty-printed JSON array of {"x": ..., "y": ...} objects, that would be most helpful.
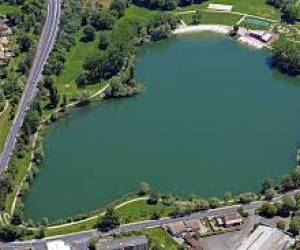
[
  {"x": 58, "y": 245},
  {"x": 266, "y": 238},
  {"x": 220, "y": 7}
]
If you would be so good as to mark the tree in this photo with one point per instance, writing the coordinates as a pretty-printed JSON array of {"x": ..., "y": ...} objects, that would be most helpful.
[
  {"x": 290, "y": 12},
  {"x": 156, "y": 215},
  {"x": 54, "y": 97},
  {"x": 31, "y": 121},
  {"x": 48, "y": 82},
  {"x": 82, "y": 79},
  {"x": 109, "y": 221},
  {"x": 288, "y": 204},
  {"x": 267, "y": 183},
  {"x": 296, "y": 176},
  {"x": 45, "y": 221},
  {"x": 295, "y": 225},
  {"x": 153, "y": 199},
  {"x": 104, "y": 40},
  {"x": 41, "y": 232},
  {"x": 270, "y": 193},
  {"x": 118, "y": 6},
  {"x": 268, "y": 209},
  {"x": 201, "y": 204},
  {"x": 280, "y": 225},
  {"x": 287, "y": 182},
  {"x": 247, "y": 197},
  {"x": 65, "y": 103},
  {"x": 2, "y": 100},
  {"x": 103, "y": 20},
  {"x": 24, "y": 41},
  {"x": 144, "y": 188},
  {"x": 228, "y": 196},
  {"x": 197, "y": 16},
  {"x": 10, "y": 233},
  {"x": 286, "y": 57},
  {"x": 214, "y": 202},
  {"x": 89, "y": 33}
]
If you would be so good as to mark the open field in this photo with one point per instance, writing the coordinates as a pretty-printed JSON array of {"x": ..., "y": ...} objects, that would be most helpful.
[
  {"x": 132, "y": 212},
  {"x": 213, "y": 18},
  {"x": 73, "y": 66},
  {"x": 22, "y": 170},
  {"x": 161, "y": 238},
  {"x": 8, "y": 8},
  {"x": 253, "y": 7},
  {"x": 140, "y": 210},
  {"x": 95, "y": 4}
]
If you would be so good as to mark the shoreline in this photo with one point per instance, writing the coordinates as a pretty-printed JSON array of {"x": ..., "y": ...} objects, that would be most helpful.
[{"x": 223, "y": 29}]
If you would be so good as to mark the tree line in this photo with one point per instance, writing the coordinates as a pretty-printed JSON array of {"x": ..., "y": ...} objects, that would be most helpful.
[
  {"x": 286, "y": 57},
  {"x": 289, "y": 9}
]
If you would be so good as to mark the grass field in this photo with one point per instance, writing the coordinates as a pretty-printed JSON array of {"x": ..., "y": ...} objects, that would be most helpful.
[
  {"x": 161, "y": 238},
  {"x": 22, "y": 170},
  {"x": 213, "y": 18},
  {"x": 4, "y": 127},
  {"x": 132, "y": 212},
  {"x": 73, "y": 66},
  {"x": 253, "y": 7},
  {"x": 8, "y": 8},
  {"x": 140, "y": 210}
]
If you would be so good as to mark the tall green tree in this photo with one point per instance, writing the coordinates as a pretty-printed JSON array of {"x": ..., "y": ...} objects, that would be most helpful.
[{"x": 109, "y": 221}]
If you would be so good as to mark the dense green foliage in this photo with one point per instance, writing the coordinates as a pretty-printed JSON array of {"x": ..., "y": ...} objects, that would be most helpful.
[
  {"x": 27, "y": 24},
  {"x": 166, "y": 4},
  {"x": 290, "y": 9},
  {"x": 286, "y": 56},
  {"x": 109, "y": 221}
]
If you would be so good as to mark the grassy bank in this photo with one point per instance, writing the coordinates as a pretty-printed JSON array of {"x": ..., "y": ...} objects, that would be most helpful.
[
  {"x": 131, "y": 212},
  {"x": 4, "y": 126},
  {"x": 252, "y": 7},
  {"x": 8, "y": 8},
  {"x": 213, "y": 18},
  {"x": 73, "y": 66}
]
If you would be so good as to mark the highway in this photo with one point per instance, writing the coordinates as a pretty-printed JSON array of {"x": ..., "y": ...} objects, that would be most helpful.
[{"x": 44, "y": 48}]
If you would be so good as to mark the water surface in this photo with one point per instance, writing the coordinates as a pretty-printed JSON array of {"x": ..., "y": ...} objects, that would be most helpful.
[{"x": 213, "y": 118}]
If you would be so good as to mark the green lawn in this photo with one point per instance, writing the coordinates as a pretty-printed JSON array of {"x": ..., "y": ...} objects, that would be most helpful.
[
  {"x": 214, "y": 18},
  {"x": 140, "y": 210},
  {"x": 8, "y": 8},
  {"x": 74, "y": 66},
  {"x": 88, "y": 225},
  {"x": 253, "y": 7},
  {"x": 22, "y": 170},
  {"x": 132, "y": 212},
  {"x": 4, "y": 127},
  {"x": 161, "y": 238}
]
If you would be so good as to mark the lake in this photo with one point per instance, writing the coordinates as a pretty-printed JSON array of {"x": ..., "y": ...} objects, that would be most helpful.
[{"x": 213, "y": 118}]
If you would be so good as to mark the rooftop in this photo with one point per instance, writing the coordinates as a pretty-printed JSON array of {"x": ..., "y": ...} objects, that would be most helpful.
[
  {"x": 266, "y": 238},
  {"x": 176, "y": 227},
  {"x": 122, "y": 243}
]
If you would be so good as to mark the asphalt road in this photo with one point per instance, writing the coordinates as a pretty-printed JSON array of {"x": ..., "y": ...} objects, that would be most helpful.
[
  {"x": 85, "y": 236},
  {"x": 82, "y": 237},
  {"x": 44, "y": 48}
]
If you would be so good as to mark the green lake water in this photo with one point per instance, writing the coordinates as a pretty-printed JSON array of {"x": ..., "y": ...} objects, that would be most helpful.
[{"x": 213, "y": 118}]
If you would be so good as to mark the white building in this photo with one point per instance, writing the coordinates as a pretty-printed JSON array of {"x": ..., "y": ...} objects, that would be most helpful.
[
  {"x": 266, "y": 238},
  {"x": 220, "y": 7},
  {"x": 57, "y": 245}
]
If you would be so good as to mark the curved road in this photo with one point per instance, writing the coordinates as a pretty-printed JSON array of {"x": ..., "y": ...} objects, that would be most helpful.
[{"x": 44, "y": 48}]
